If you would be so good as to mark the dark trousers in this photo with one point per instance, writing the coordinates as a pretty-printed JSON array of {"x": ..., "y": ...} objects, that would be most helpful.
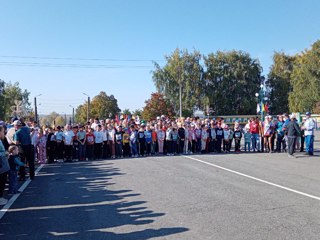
[
  {"x": 226, "y": 145},
  {"x": 3, "y": 179},
  {"x": 302, "y": 144},
  {"x": 97, "y": 150},
  {"x": 81, "y": 152},
  {"x": 194, "y": 146},
  {"x": 89, "y": 151},
  {"x": 237, "y": 144},
  {"x": 291, "y": 144},
  {"x": 142, "y": 147},
  {"x": 119, "y": 149},
  {"x": 27, "y": 156},
  {"x": 13, "y": 181},
  {"x": 181, "y": 146},
  {"x": 59, "y": 150},
  {"x": 126, "y": 149},
  {"x": 169, "y": 146},
  {"x": 68, "y": 152},
  {"x": 198, "y": 146},
  {"x": 218, "y": 145},
  {"x": 280, "y": 141},
  {"x": 105, "y": 150},
  {"x": 174, "y": 147},
  {"x": 148, "y": 148},
  {"x": 51, "y": 153}
]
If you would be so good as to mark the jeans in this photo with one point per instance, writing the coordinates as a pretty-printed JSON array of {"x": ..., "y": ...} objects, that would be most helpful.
[
  {"x": 309, "y": 143},
  {"x": 134, "y": 151},
  {"x": 255, "y": 141},
  {"x": 82, "y": 152}
]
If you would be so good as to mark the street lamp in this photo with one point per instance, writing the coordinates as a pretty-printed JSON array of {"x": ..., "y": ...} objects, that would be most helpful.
[
  {"x": 72, "y": 114},
  {"x": 35, "y": 108},
  {"x": 262, "y": 98},
  {"x": 65, "y": 118},
  {"x": 88, "y": 106}
]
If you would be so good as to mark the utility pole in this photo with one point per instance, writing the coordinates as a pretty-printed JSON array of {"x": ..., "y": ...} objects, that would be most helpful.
[
  {"x": 36, "y": 108},
  {"x": 88, "y": 106},
  {"x": 72, "y": 114}
]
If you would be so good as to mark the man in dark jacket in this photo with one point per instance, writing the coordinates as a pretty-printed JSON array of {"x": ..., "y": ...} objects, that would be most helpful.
[{"x": 293, "y": 132}]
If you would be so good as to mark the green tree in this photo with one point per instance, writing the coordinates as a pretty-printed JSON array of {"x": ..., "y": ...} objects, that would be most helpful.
[
  {"x": 2, "y": 100},
  {"x": 49, "y": 119},
  {"x": 156, "y": 106},
  {"x": 126, "y": 111},
  {"x": 278, "y": 82},
  {"x": 183, "y": 69},
  {"x": 137, "y": 112},
  {"x": 231, "y": 81},
  {"x": 305, "y": 80},
  {"x": 101, "y": 106},
  {"x": 12, "y": 93},
  {"x": 60, "y": 121}
]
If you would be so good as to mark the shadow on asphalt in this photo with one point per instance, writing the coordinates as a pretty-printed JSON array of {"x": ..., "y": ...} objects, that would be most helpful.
[{"x": 72, "y": 201}]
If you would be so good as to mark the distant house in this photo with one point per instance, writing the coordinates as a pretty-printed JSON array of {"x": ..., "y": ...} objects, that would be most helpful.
[{"x": 199, "y": 113}]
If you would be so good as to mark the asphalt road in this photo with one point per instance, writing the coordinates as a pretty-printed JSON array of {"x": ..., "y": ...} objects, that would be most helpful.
[{"x": 267, "y": 196}]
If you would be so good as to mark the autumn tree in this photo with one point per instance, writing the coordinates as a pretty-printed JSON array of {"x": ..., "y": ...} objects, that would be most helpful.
[
  {"x": 102, "y": 106},
  {"x": 156, "y": 106}
]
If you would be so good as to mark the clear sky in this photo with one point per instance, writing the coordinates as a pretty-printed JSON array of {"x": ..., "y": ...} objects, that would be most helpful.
[{"x": 52, "y": 44}]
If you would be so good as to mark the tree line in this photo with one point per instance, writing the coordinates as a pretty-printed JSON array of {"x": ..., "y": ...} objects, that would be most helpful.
[{"x": 226, "y": 82}]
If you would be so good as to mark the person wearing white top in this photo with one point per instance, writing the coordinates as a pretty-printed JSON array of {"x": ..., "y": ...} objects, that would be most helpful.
[
  {"x": 68, "y": 143},
  {"x": 309, "y": 127},
  {"x": 98, "y": 141}
]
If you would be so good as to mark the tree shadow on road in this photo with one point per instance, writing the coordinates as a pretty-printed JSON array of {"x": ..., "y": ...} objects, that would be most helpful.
[{"x": 74, "y": 201}]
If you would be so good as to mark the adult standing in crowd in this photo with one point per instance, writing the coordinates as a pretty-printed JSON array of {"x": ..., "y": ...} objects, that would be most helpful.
[
  {"x": 22, "y": 139},
  {"x": 293, "y": 132},
  {"x": 308, "y": 128},
  {"x": 4, "y": 167}
]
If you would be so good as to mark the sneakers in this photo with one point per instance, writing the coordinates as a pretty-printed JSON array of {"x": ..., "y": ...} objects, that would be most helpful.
[{"x": 3, "y": 201}]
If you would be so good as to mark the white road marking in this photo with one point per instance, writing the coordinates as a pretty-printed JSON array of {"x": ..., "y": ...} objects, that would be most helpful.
[
  {"x": 15, "y": 196},
  {"x": 256, "y": 179}
]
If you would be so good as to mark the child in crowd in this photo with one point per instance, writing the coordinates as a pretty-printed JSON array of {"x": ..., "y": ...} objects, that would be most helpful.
[
  {"x": 226, "y": 139},
  {"x": 237, "y": 135},
  {"x": 119, "y": 139},
  {"x": 197, "y": 132},
  {"x": 219, "y": 136},
  {"x": 148, "y": 136},
  {"x": 81, "y": 138},
  {"x": 15, "y": 164},
  {"x": 126, "y": 143},
  {"x": 154, "y": 140},
  {"x": 41, "y": 147},
  {"x": 169, "y": 140},
  {"x": 175, "y": 137},
  {"x": 142, "y": 140},
  {"x": 204, "y": 137},
  {"x": 247, "y": 140},
  {"x": 161, "y": 134},
  {"x": 98, "y": 141},
  {"x": 133, "y": 141},
  {"x": 90, "y": 144}
]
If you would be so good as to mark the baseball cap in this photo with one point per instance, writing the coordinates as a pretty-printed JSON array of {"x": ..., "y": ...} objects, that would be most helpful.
[
  {"x": 308, "y": 113},
  {"x": 17, "y": 123}
]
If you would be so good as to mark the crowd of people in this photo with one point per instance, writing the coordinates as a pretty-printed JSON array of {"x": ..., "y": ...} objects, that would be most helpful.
[{"x": 108, "y": 139}]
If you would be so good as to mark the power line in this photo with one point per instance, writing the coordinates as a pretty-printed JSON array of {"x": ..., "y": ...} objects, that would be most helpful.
[
  {"x": 83, "y": 59},
  {"x": 65, "y": 65}
]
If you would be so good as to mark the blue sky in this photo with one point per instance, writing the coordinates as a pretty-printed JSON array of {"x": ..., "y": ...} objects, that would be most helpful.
[{"x": 142, "y": 30}]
